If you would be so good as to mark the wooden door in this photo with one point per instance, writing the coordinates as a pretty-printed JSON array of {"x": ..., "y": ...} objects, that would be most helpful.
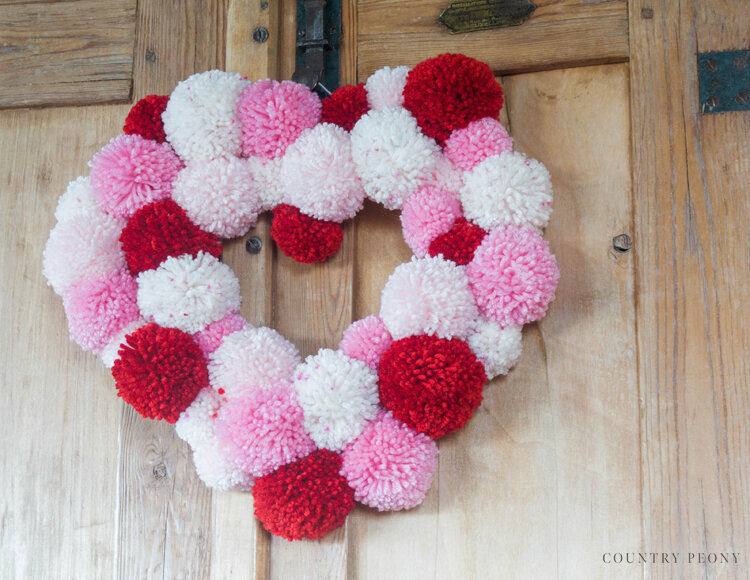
[{"x": 622, "y": 430}]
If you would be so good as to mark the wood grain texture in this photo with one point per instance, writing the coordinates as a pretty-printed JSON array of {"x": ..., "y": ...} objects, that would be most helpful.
[
  {"x": 560, "y": 33},
  {"x": 75, "y": 52}
]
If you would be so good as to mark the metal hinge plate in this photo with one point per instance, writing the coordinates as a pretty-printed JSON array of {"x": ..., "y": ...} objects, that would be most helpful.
[
  {"x": 318, "y": 43},
  {"x": 724, "y": 81}
]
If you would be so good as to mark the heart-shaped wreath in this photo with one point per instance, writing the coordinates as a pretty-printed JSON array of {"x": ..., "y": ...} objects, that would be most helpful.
[{"x": 135, "y": 256}]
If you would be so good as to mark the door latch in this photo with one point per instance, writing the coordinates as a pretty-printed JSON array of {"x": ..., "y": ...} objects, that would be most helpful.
[{"x": 318, "y": 41}]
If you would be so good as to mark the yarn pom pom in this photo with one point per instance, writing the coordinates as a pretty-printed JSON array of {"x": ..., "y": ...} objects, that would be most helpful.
[
  {"x": 428, "y": 296},
  {"x": 111, "y": 352},
  {"x": 345, "y": 106},
  {"x": 144, "y": 118},
  {"x": 161, "y": 230},
  {"x": 305, "y": 499},
  {"x": 303, "y": 238},
  {"x": 267, "y": 176},
  {"x": 366, "y": 340},
  {"x": 188, "y": 292},
  {"x": 450, "y": 91},
  {"x": 77, "y": 199},
  {"x": 432, "y": 384},
  {"x": 385, "y": 87},
  {"x": 479, "y": 140},
  {"x": 338, "y": 394},
  {"x": 496, "y": 347},
  {"x": 131, "y": 172},
  {"x": 159, "y": 372},
  {"x": 273, "y": 114},
  {"x": 446, "y": 176},
  {"x": 390, "y": 466},
  {"x": 262, "y": 429},
  {"x": 196, "y": 423},
  {"x": 459, "y": 243},
  {"x": 427, "y": 214},
  {"x": 209, "y": 339},
  {"x": 216, "y": 469},
  {"x": 249, "y": 358},
  {"x": 513, "y": 276},
  {"x": 97, "y": 308}
]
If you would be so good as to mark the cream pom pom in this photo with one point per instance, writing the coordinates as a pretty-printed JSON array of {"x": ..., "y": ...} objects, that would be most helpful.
[
  {"x": 338, "y": 395},
  {"x": 187, "y": 292},
  {"x": 220, "y": 196},
  {"x": 428, "y": 296},
  {"x": 196, "y": 423},
  {"x": 507, "y": 190},
  {"x": 249, "y": 358},
  {"x": 216, "y": 469},
  {"x": 319, "y": 177},
  {"x": 111, "y": 352},
  {"x": 267, "y": 176},
  {"x": 496, "y": 347},
  {"x": 201, "y": 121},
  {"x": 78, "y": 198},
  {"x": 385, "y": 87},
  {"x": 446, "y": 176},
  {"x": 393, "y": 157}
]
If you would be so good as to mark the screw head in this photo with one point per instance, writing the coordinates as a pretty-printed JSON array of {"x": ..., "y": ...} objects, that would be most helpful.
[
  {"x": 264, "y": 5},
  {"x": 710, "y": 64},
  {"x": 742, "y": 97},
  {"x": 622, "y": 243},
  {"x": 647, "y": 13},
  {"x": 712, "y": 101},
  {"x": 739, "y": 62},
  {"x": 253, "y": 245},
  {"x": 260, "y": 34}
]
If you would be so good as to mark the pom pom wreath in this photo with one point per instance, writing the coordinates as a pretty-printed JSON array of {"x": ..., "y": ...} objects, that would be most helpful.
[
  {"x": 209, "y": 339},
  {"x": 385, "y": 87},
  {"x": 428, "y": 296},
  {"x": 508, "y": 190},
  {"x": 390, "y": 466},
  {"x": 393, "y": 158},
  {"x": 459, "y": 243},
  {"x": 338, "y": 394},
  {"x": 201, "y": 117},
  {"x": 273, "y": 114},
  {"x": 84, "y": 246},
  {"x": 450, "y": 91},
  {"x": 144, "y": 118},
  {"x": 345, "y": 106},
  {"x": 188, "y": 292},
  {"x": 427, "y": 214},
  {"x": 319, "y": 177},
  {"x": 496, "y": 347},
  {"x": 479, "y": 140},
  {"x": 216, "y": 469},
  {"x": 513, "y": 276},
  {"x": 220, "y": 196},
  {"x": 267, "y": 176},
  {"x": 161, "y": 230},
  {"x": 196, "y": 423},
  {"x": 303, "y": 238},
  {"x": 111, "y": 352},
  {"x": 160, "y": 371},
  {"x": 131, "y": 172},
  {"x": 262, "y": 429},
  {"x": 78, "y": 199},
  {"x": 305, "y": 499},
  {"x": 366, "y": 340},
  {"x": 432, "y": 384},
  {"x": 99, "y": 307},
  {"x": 249, "y": 358}
]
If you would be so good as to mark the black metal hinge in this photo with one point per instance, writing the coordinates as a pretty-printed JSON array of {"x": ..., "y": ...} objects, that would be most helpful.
[
  {"x": 724, "y": 81},
  {"x": 318, "y": 42}
]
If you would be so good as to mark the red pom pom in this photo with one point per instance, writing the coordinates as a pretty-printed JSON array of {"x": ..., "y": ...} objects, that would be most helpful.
[
  {"x": 345, "y": 106},
  {"x": 450, "y": 91},
  {"x": 160, "y": 230},
  {"x": 458, "y": 243},
  {"x": 305, "y": 499},
  {"x": 432, "y": 384},
  {"x": 144, "y": 118},
  {"x": 160, "y": 371},
  {"x": 304, "y": 238}
]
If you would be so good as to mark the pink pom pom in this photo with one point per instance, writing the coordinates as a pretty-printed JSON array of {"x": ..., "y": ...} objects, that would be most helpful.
[
  {"x": 98, "y": 309},
  {"x": 209, "y": 339},
  {"x": 389, "y": 465},
  {"x": 262, "y": 429},
  {"x": 273, "y": 114},
  {"x": 479, "y": 140},
  {"x": 513, "y": 276},
  {"x": 427, "y": 214},
  {"x": 131, "y": 172},
  {"x": 366, "y": 339}
]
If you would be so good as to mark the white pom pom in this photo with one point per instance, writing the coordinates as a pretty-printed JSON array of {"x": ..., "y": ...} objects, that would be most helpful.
[
  {"x": 216, "y": 469},
  {"x": 338, "y": 395},
  {"x": 111, "y": 352},
  {"x": 267, "y": 176},
  {"x": 428, "y": 296},
  {"x": 496, "y": 347},
  {"x": 507, "y": 190},
  {"x": 201, "y": 120},
  {"x": 196, "y": 423},
  {"x": 77, "y": 199},
  {"x": 318, "y": 174},
  {"x": 446, "y": 176},
  {"x": 220, "y": 196},
  {"x": 249, "y": 358},
  {"x": 393, "y": 157},
  {"x": 385, "y": 87},
  {"x": 188, "y": 293}
]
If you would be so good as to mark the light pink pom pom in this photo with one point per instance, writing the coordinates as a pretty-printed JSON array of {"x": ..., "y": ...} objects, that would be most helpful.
[
  {"x": 479, "y": 140},
  {"x": 513, "y": 276},
  {"x": 273, "y": 114},
  {"x": 427, "y": 214},
  {"x": 209, "y": 339},
  {"x": 389, "y": 465},
  {"x": 262, "y": 429},
  {"x": 131, "y": 172},
  {"x": 366, "y": 339}
]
